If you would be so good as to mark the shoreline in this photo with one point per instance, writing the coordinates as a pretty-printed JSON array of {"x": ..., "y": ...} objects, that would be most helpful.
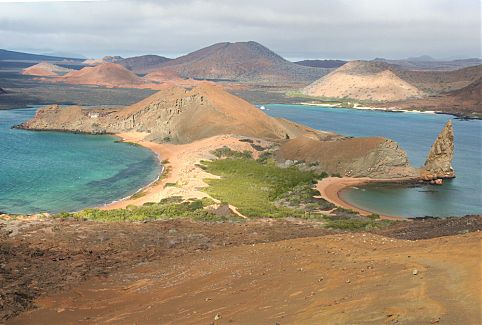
[
  {"x": 180, "y": 176},
  {"x": 394, "y": 110},
  {"x": 331, "y": 187},
  {"x": 371, "y": 108},
  {"x": 150, "y": 189},
  {"x": 182, "y": 159}
]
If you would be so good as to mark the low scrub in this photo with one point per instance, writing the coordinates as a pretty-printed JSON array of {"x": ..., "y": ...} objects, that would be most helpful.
[
  {"x": 226, "y": 152},
  {"x": 173, "y": 207},
  {"x": 350, "y": 220},
  {"x": 260, "y": 188}
]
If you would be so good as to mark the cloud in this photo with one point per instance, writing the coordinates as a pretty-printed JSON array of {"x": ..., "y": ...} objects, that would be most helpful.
[{"x": 303, "y": 29}]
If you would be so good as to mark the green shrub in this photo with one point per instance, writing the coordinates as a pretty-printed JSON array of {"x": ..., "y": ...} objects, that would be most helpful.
[
  {"x": 226, "y": 152},
  {"x": 138, "y": 195},
  {"x": 173, "y": 207},
  {"x": 356, "y": 224},
  {"x": 253, "y": 186}
]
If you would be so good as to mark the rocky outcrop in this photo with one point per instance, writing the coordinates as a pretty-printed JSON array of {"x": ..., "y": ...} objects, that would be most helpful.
[
  {"x": 439, "y": 161},
  {"x": 175, "y": 115},
  {"x": 2, "y": 91},
  {"x": 350, "y": 157}
]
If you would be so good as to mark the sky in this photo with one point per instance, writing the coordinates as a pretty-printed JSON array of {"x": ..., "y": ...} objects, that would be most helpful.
[{"x": 302, "y": 29}]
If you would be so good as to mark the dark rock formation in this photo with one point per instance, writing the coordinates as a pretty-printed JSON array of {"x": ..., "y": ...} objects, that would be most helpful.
[
  {"x": 2, "y": 91},
  {"x": 439, "y": 161}
]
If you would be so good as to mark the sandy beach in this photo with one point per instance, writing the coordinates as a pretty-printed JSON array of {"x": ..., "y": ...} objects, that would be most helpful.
[
  {"x": 331, "y": 187},
  {"x": 181, "y": 176}
]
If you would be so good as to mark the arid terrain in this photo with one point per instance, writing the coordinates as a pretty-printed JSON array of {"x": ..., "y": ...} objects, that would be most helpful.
[
  {"x": 245, "y": 225},
  {"x": 256, "y": 272},
  {"x": 363, "y": 81},
  {"x": 253, "y": 72}
]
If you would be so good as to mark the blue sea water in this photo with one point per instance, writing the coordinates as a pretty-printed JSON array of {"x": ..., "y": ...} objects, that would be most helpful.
[
  {"x": 54, "y": 172},
  {"x": 415, "y": 132}
]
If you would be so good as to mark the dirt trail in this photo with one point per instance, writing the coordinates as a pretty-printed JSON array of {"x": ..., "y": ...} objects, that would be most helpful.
[{"x": 263, "y": 272}]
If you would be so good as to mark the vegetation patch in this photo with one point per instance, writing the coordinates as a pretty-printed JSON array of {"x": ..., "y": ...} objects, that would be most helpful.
[
  {"x": 356, "y": 224},
  {"x": 226, "y": 152},
  {"x": 346, "y": 219},
  {"x": 138, "y": 195},
  {"x": 170, "y": 208},
  {"x": 261, "y": 188}
]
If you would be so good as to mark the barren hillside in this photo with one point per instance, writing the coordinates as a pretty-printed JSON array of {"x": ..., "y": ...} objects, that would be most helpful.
[
  {"x": 241, "y": 61},
  {"x": 105, "y": 74},
  {"x": 45, "y": 69},
  {"x": 363, "y": 81}
]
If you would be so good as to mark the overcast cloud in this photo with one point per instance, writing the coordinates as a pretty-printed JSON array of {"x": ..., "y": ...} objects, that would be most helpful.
[{"x": 347, "y": 29}]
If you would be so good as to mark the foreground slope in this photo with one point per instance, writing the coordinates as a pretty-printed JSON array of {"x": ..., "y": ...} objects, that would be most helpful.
[
  {"x": 347, "y": 278},
  {"x": 241, "y": 61},
  {"x": 363, "y": 80}
]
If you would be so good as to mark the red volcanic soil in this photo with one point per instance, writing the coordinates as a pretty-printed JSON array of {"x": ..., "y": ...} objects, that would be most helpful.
[
  {"x": 45, "y": 69},
  {"x": 105, "y": 74},
  {"x": 241, "y": 61},
  {"x": 257, "y": 272}
]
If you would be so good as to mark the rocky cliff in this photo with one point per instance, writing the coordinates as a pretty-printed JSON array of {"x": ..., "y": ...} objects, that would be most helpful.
[
  {"x": 439, "y": 161},
  {"x": 174, "y": 115},
  {"x": 350, "y": 157}
]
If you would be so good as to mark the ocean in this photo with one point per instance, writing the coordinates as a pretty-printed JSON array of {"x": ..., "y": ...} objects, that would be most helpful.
[
  {"x": 415, "y": 132},
  {"x": 55, "y": 172}
]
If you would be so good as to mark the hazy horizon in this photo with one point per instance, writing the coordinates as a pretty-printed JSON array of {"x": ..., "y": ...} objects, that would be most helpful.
[{"x": 331, "y": 29}]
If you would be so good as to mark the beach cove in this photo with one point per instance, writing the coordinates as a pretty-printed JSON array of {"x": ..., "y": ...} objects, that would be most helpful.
[
  {"x": 55, "y": 172},
  {"x": 415, "y": 132}
]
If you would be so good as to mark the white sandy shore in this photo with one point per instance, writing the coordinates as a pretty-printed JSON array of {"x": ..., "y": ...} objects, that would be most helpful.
[{"x": 370, "y": 108}]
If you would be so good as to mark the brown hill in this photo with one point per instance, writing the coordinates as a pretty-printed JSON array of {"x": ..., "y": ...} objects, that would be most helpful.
[
  {"x": 436, "y": 82},
  {"x": 241, "y": 61},
  {"x": 351, "y": 157},
  {"x": 143, "y": 64},
  {"x": 463, "y": 101},
  {"x": 175, "y": 115},
  {"x": 363, "y": 80},
  {"x": 105, "y": 74},
  {"x": 45, "y": 69}
]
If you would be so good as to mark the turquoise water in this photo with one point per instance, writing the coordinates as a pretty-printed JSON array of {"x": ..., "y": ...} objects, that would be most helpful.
[
  {"x": 415, "y": 132},
  {"x": 53, "y": 172}
]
